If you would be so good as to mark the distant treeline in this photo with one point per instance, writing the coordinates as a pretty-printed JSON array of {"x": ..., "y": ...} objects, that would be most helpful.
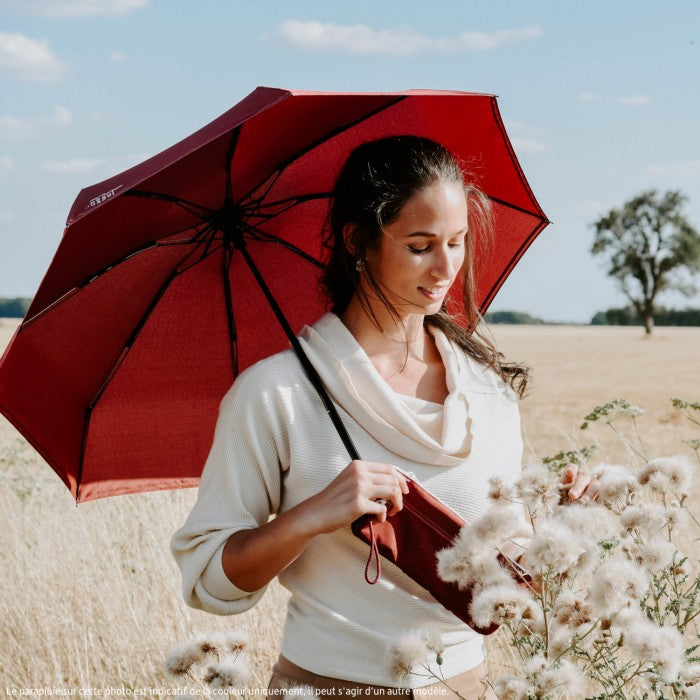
[
  {"x": 511, "y": 317},
  {"x": 624, "y": 316},
  {"x": 14, "y": 308},
  {"x": 628, "y": 316}
]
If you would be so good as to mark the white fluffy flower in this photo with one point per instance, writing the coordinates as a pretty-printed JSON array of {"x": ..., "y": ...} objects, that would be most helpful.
[
  {"x": 504, "y": 603},
  {"x": 588, "y": 519},
  {"x": 497, "y": 525},
  {"x": 653, "y": 554},
  {"x": 648, "y": 519},
  {"x": 536, "y": 489},
  {"x": 570, "y": 609},
  {"x": 676, "y": 516},
  {"x": 617, "y": 485},
  {"x": 616, "y": 583},
  {"x": 512, "y": 688},
  {"x": 562, "y": 680},
  {"x": 230, "y": 673},
  {"x": 182, "y": 657},
  {"x": 499, "y": 491},
  {"x": 668, "y": 474},
  {"x": 432, "y": 638},
  {"x": 555, "y": 546},
  {"x": 410, "y": 650},
  {"x": 690, "y": 675},
  {"x": 661, "y": 645},
  {"x": 470, "y": 560}
]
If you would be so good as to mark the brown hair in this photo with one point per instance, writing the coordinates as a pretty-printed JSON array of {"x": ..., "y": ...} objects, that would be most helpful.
[{"x": 376, "y": 181}]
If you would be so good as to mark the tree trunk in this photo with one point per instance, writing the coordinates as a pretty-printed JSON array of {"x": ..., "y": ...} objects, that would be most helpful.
[{"x": 648, "y": 324}]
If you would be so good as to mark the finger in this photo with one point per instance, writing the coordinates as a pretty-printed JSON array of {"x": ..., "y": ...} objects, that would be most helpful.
[
  {"x": 381, "y": 469},
  {"x": 569, "y": 474},
  {"x": 590, "y": 493},
  {"x": 389, "y": 493},
  {"x": 583, "y": 478},
  {"x": 393, "y": 481}
]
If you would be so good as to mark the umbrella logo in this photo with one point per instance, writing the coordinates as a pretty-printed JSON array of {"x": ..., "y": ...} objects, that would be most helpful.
[{"x": 102, "y": 197}]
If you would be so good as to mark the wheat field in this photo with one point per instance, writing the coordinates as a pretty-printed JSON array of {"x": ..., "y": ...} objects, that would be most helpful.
[{"x": 91, "y": 596}]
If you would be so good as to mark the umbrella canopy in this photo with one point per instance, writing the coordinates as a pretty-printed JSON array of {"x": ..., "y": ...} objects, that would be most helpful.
[{"x": 152, "y": 304}]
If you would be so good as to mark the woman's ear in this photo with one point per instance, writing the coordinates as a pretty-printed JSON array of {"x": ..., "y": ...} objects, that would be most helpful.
[{"x": 350, "y": 231}]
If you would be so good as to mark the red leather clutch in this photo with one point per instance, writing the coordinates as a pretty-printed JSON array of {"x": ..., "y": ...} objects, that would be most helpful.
[{"x": 411, "y": 538}]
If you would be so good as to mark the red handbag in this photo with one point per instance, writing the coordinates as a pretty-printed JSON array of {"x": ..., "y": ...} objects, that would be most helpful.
[{"x": 411, "y": 538}]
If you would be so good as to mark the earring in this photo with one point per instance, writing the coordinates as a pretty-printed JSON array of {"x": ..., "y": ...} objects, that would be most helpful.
[{"x": 360, "y": 265}]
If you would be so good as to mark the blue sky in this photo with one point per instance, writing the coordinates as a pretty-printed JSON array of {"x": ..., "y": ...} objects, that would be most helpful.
[{"x": 601, "y": 100}]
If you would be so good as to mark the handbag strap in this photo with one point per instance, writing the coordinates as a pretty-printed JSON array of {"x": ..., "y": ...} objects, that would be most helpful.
[{"x": 317, "y": 383}]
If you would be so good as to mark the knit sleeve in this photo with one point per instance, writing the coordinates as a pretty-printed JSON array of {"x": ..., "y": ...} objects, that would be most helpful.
[{"x": 239, "y": 488}]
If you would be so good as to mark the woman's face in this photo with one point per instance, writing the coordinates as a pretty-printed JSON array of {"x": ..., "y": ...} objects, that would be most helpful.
[{"x": 422, "y": 251}]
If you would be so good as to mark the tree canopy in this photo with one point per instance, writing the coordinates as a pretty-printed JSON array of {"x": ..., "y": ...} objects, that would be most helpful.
[{"x": 651, "y": 247}]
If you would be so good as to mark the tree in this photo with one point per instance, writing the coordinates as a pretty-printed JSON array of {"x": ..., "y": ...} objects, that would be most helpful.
[{"x": 649, "y": 243}]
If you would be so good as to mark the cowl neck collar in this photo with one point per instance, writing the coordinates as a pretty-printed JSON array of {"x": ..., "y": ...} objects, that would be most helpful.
[{"x": 355, "y": 384}]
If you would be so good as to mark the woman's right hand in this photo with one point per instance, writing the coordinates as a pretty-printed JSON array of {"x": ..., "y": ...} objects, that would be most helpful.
[{"x": 353, "y": 493}]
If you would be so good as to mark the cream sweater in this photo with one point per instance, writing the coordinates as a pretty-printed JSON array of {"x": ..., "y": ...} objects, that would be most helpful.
[{"x": 275, "y": 446}]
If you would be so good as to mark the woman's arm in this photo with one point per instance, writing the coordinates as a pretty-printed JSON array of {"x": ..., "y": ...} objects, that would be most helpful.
[{"x": 251, "y": 558}]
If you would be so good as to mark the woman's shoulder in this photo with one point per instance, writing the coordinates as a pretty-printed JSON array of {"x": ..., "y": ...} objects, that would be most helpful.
[{"x": 266, "y": 378}]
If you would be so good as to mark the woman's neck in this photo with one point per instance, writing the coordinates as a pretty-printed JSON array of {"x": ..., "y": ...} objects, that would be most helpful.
[{"x": 390, "y": 341}]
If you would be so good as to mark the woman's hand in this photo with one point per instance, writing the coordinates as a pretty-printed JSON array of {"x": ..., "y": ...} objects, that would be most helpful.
[
  {"x": 579, "y": 484},
  {"x": 353, "y": 493}
]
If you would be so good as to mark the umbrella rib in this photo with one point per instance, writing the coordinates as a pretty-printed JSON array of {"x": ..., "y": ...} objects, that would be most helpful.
[
  {"x": 189, "y": 207},
  {"x": 229, "y": 159},
  {"x": 326, "y": 137},
  {"x": 88, "y": 280},
  {"x": 231, "y": 321},
  {"x": 265, "y": 237},
  {"x": 290, "y": 202},
  {"x": 516, "y": 208}
]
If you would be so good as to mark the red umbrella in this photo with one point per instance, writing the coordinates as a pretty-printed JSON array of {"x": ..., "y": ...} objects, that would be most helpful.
[{"x": 155, "y": 299}]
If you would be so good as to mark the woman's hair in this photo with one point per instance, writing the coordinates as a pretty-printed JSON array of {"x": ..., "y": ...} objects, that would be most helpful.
[{"x": 376, "y": 181}]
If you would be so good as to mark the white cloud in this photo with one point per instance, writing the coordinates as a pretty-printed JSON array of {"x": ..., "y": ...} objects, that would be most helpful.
[
  {"x": 681, "y": 171},
  {"x": 634, "y": 100},
  {"x": 118, "y": 56},
  {"x": 402, "y": 41},
  {"x": 98, "y": 117},
  {"x": 6, "y": 164},
  {"x": 589, "y": 97},
  {"x": 14, "y": 128},
  {"x": 72, "y": 165},
  {"x": 29, "y": 59},
  {"x": 62, "y": 117},
  {"x": 6, "y": 216},
  {"x": 74, "y": 8},
  {"x": 103, "y": 166}
]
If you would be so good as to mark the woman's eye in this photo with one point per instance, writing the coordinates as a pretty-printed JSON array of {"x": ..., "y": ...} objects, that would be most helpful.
[{"x": 420, "y": 251}]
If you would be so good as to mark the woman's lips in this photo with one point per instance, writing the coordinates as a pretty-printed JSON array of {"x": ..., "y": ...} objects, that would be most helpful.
[{"x": 434, "y": 293}]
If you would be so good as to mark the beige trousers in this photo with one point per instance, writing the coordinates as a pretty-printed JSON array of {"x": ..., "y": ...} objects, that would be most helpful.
[{"x": 470, "y": 685}]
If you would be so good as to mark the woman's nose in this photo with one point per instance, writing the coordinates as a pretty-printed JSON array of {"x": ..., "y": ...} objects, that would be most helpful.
[{"x": 443, "y": 265}]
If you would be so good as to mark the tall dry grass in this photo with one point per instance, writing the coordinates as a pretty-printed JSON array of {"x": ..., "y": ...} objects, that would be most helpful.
[{"x": 91, "y": 596}]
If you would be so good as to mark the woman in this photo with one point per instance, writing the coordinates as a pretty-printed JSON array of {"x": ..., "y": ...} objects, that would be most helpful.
[{"x": 414, "y": 390}]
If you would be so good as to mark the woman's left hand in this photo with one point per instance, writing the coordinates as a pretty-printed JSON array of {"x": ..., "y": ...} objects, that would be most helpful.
[{"x": 578, "y": 484}]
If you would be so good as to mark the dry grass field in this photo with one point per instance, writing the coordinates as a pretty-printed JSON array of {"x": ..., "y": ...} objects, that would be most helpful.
[{"x": 90, "y": 595}]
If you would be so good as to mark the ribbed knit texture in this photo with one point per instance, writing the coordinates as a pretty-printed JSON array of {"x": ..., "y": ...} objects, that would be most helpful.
[{"x": 274, "y": 446}]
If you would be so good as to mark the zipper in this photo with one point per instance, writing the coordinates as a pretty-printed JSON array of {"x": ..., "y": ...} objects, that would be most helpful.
[
  {"x": 412, "y": 476},
  {"x": 428, "y": 522}
]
